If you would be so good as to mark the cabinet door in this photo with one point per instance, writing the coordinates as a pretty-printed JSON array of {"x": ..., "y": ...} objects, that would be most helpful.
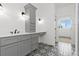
[
  {"x": 10, "y": 50},
  {"x": 34, "y": 43},
  {"x": 27, "y": 46},
  {"x": 24, "y": 47}
]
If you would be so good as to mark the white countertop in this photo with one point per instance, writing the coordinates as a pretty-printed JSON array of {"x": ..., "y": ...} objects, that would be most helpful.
[{"x": 21, "y": 34}]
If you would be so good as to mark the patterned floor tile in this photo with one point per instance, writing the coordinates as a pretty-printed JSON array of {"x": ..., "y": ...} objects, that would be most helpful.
[{"x": 45, "y": 50}]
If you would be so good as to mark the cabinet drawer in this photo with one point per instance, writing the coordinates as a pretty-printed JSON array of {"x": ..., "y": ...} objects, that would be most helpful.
[
  {"x": 24, "y": 37},
  {"x": 8, "y": 40},
  {"x": 35, "y": 35},
  {"x": 34, "y": 40}
]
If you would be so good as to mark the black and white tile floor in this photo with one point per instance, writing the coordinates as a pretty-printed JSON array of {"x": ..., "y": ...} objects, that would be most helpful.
[{"x": 45, "y": 50}]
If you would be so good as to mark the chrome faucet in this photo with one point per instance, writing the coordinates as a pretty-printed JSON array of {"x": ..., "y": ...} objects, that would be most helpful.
[{"x": 15, "y": 31}]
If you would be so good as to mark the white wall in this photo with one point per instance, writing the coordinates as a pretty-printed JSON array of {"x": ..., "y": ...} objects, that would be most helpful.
[
  {"x": 46, "y": 12},
  {"x": 11, "y": 20}
]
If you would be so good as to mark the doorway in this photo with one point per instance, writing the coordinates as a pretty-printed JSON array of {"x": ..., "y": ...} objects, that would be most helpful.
[{"x": 65, "y": 28}]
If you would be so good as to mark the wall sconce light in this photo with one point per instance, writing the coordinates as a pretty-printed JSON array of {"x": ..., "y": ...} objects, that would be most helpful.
[
  {"x": 23, "y": 13},
  {"x": 40, "y": 20},
  {"x": 24, "y": 16},
  {"x": 2, "y": 10},
  {"x": 0, "y": 5}
]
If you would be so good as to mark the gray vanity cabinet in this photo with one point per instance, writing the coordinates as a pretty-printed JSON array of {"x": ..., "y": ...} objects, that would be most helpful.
[
  {"x": 19, "y": 45},
  {"x": 10, "y": 50}
]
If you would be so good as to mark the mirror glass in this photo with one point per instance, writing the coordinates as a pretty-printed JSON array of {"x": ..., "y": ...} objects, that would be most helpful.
[{"x": 65, "y": 23}]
